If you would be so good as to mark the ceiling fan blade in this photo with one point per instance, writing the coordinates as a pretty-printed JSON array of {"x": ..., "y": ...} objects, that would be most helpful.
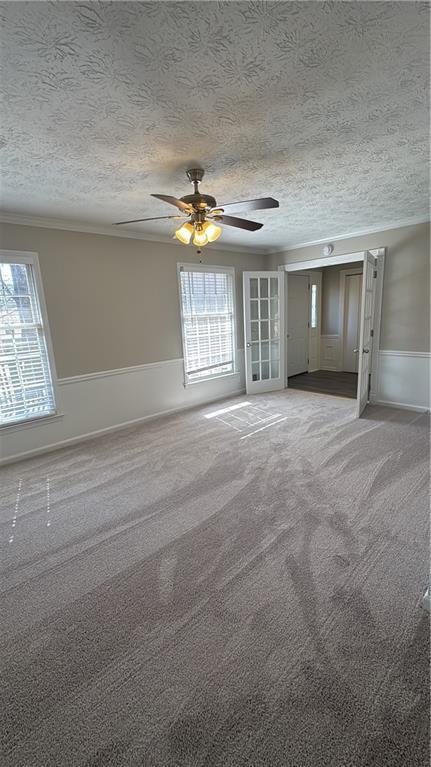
[
  {"x": 174, "y": 201},
  {"x": 240, "y": 223},
  {"x": 138, "y": 220},
  {"x": 261, "y": 204}
]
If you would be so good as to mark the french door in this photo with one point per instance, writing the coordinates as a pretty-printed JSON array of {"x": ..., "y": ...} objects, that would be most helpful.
[{"x": 264, "y": 331}]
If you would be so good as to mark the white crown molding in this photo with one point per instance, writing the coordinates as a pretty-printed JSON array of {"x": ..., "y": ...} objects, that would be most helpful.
[
  {"x": 414, "y": 221},
  {"x": 106, "y": 231}
]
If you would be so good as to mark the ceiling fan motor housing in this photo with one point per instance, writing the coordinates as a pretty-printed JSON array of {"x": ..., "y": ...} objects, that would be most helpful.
[
  {"x": 195, "y": 175},
  {"x": 199, "y": 201}
]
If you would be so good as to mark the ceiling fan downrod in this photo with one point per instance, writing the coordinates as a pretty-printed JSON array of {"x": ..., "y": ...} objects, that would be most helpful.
[{"x": 195, "y": 176}]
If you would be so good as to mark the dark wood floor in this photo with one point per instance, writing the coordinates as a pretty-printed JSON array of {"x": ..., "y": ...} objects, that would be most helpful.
[{"x": 326, "y": 382}]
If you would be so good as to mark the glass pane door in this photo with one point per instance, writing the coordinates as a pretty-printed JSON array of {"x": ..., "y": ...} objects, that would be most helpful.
[{"x": 264, "y": 310}]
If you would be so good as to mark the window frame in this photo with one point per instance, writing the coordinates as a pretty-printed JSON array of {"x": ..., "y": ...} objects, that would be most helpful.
[
  {"x": 31, "y": 258},
  {"x": 230, "y": 270}
]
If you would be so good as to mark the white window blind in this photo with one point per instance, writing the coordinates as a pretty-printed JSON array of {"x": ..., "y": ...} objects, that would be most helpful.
[
  {"x": 207, "y": 310},
  {"x": 26, "y": 389}
]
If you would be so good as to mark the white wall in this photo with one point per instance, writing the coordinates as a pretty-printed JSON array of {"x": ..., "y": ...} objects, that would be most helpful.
[
  {"x": 330, "y": 352},
  {"x": 93, "y": 403},
  {"x": 403, "y": 379}
]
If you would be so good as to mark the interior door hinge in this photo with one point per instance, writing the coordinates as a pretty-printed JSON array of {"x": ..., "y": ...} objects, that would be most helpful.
[
  {"x": 308, "y": 324},
  {"x": 372, "y": 333},
  {"x": 375, "y": 273}
]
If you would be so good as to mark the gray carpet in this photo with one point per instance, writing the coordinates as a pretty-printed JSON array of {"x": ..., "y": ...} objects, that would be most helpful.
[{"x": 225, "y": 591}]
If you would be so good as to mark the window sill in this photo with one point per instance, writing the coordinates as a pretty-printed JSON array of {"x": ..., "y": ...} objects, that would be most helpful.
[
  {"x": 211, "y": 378},
  {"x": 28, "y": 424}
]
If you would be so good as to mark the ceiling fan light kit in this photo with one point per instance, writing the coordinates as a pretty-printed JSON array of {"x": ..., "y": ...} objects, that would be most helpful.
[
  {"x": 202, "y": 212},
  {"x": 184, "y": 233},
  {"x": 201, "y": 233}
]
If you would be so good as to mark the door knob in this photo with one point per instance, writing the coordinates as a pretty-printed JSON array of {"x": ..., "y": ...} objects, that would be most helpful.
[
  {"x": 248, "y": 344},
  {"x": 366, "y": 351},
  {"x": 356, "y": 351}
]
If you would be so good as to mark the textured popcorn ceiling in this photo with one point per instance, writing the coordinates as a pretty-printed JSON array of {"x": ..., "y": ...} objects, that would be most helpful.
[{"x": 321, "y": 105}]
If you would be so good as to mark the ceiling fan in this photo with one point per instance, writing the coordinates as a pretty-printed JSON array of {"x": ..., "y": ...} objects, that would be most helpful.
[{"x": 201, "y": 211}]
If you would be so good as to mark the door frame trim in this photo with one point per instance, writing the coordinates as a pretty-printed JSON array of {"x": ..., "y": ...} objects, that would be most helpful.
[
  {"x": 318, "y": 263},
  {"x": 379, "y": 255}
]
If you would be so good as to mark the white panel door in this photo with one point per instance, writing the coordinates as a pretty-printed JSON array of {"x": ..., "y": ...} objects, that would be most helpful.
[
  {"x": 352, "y": 316},
  {"x": 264, "y": 331},
  {"x": 366, "y": 327},
  {"x": 297, "y": 324}
]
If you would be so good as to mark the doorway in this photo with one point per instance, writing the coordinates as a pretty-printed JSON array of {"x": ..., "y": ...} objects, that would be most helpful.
[
  {"x": 289, "y": 335},
  {"x": 328, "y": 336}
]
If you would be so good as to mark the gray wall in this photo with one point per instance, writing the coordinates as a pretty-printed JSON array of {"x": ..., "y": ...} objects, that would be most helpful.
[
  {"x": 406, "y": 287},
  {"x": 113, "y": 302}
]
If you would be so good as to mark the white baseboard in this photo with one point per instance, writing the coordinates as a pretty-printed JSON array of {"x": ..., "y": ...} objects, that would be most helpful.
[
  {"x": 98, "y": 403},
  {"x": 400, "y": 405}
]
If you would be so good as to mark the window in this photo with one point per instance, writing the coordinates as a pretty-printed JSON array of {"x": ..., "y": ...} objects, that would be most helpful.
[
  {"x": 314, "y": 306},
  {"x": 208, "y": 321},
  {"x": 26, "y": 389}
]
